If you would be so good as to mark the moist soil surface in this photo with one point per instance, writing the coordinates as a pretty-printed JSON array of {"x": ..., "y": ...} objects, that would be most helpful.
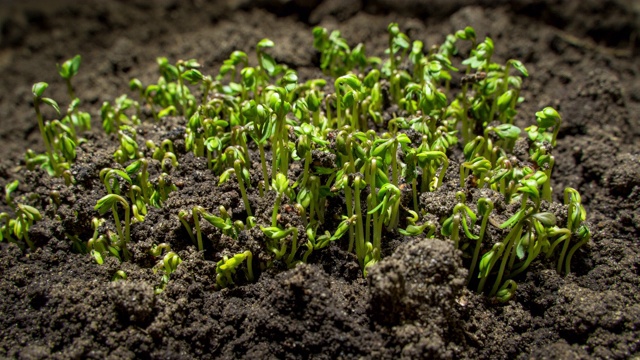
[{"x": 56, "y": 303}]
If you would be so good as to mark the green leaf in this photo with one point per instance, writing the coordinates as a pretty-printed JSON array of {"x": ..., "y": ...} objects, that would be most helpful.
[
  {"x": 193, "y": 76},
  {"x": 169, "y": 110},
  {"x": 403, "y": 139},
  {"x": 546, "y": 218},
  {"x": 18, "y": 228},
  {"x": 216, "y": 221},
  {"x": 11, "y": 187},
  {"x": 280, "y": 183},
  {"x": 466, "y": 229},
  {"x": 265, "y": 43},
  {"x": 68, "y": 148},
  {"x": 547, "y": 118},
  {"x": 447, "y": 226},
  {"x": 31, "y": 212},
  {"x": 341, "y": 230},
  {"x": 225, "y": 176},
  {"x": 504, "y": 101},
  {"x": 401, "y": 42},
  {"x": 274, "y": 232},
  {"x": 96, "y": 255},
  {"x": 105, "y": 203},
  {"x": 135, "y": 85},
  {"x": 122, "y": 174},
  {"x": 39, "y": 88},
  {"x": 268, "y": 64},
  {"x": 518, "y": 66},
  {"x": 248, "y": 76},
  {"x": 512, "y": 220},
  {"x": 484, "y": 264},
  {"x": 412, "y": 230},
  {"x": 351, "y": 80},
  {"x": 522, "y": 245},
  {"x": 134, "y": 167},
  {"x": 51, "y": 103},
  {"x": 508, "y": 131},
  {"x": 487, "y": 259}
]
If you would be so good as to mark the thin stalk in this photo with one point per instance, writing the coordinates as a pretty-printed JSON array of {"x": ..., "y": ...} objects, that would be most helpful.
[
  {"x": 294, "y": 245},
  {"x": 476, "y": 251},
  {"x": 276, "y": 206},
  {"x": 238, "y": 170},
  {"x": 47, "y": 144},
  {"x": 508, "y": 248},
  {"x": 263, "y": 162},
  {"x": 358, "y": 213},
  {"x": 349, "y": 201},
  {"x": 196, "y": 221}
]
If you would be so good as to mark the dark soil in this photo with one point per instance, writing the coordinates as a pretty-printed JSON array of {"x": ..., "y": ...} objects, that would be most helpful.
[{"x": 55, "y": 303}]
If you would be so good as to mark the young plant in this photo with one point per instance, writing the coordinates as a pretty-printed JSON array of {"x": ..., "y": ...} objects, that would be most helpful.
[
  {"x": 109, "y": 202},
  {"x": 485, "y": 207},
  {"x": 37, "y": 90},
  {"x": 114, "y": 116},
  {"x": 68, "y": 70},
  {"x": 278, "y": 235},
  {"x": 462, "y": 214},
  {"x": 281, "y": 185},
  {"x": 25, "y": 217},
  {"x": 227, "y": 267},
  {"x": 168, "y": 264}
]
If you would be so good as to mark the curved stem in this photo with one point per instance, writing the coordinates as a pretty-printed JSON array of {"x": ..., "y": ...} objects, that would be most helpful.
[{"x": 509, "y": 245}]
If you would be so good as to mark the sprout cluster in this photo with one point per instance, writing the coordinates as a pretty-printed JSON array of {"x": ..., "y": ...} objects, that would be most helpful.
[{"x": 389, "y": 127}]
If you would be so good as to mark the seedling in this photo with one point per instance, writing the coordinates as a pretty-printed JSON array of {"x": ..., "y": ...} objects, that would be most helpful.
[
  {"x": 68, "y": 70},
  {"x": 485, "y": 207},
  {"x": 109, "y": 202},
  {"x": 113, "y": 116},
  {"x": 119, "y": 275},
  {"x": 25, "y": 217},
  {"x": 228, "y": 267},
  {"x": 168, "y": 264},
  {"x": 281, "y": 185},
  {"x": 462, "y": 214},
  {"x": 37, "y": 90},
  {"x": 278, "y": 235}
]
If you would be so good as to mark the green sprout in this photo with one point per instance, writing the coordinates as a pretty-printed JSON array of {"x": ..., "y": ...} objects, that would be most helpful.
[
  {"x": 281, "y": 185},
  {"x": 546, "y": 119},
  {"x": 109, "y": 202},
  {"x": 429, "y": 161},
  {"x": 278, "y": 235},
  {"x": 485, "y": 207},
  {"x": 119, "y": 275},
  {"x": 99, "y": 245},
  {"x": 114, "y": 116},
  {"x": 9, "y": 188},
  {"x": 228, "y": 267},
  {"x": 462, "y": 214},
  {"x": 68, "y": 70},
  {"x": 37, "y": 90},
  {"x": 25, "y": 217},
  {"x": 168, "y": 264}
]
